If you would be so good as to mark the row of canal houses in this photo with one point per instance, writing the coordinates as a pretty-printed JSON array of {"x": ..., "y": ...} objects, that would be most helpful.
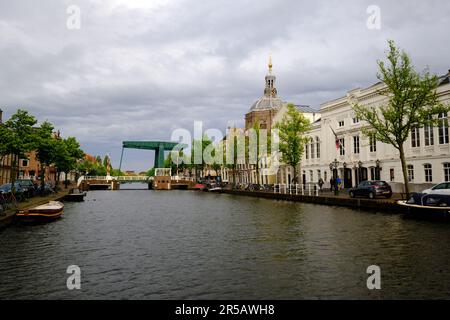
[{"x": 357, "y": 158}]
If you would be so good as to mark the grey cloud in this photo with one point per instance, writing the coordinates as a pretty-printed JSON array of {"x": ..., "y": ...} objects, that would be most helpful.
[{"x": 138, "y": 72}]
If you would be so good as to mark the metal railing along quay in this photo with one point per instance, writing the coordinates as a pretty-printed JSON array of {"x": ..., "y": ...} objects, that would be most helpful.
[{"x": 297, "y": 189}]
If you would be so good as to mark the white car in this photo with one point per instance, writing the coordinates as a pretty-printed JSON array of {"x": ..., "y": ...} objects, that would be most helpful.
[{"x": 443, "y": 188}]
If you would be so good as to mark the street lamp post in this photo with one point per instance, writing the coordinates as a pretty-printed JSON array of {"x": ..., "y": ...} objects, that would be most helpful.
[
  {"x": 378, "y": 169},
  {"x": 334, "y": 166},
  {"x": 359, "y": 171}
]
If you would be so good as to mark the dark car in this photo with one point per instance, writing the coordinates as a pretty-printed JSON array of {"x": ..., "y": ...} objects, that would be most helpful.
[
  {"x": 6, "y": 189},
  {"x": 372, "y": 189},
  {"x": 27, "y": 186}
]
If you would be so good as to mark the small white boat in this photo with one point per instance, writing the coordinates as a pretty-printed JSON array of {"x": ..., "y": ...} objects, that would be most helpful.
[
  {"x": 46, "y": 212},
  {"x": 431, "y": 205}
]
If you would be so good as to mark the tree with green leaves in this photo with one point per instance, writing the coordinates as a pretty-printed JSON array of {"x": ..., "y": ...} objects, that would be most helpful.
[
  {"x": 291, "y": 131},
  {"x": 151, "y": 172},
  {"x": 233, "y": 145},
  {"x": 199, "y": 145},
  {"x": 67, "y": 156},
  {"x": 17, "y": 138},
  {"x": 46, "y": 146},
  {"x": 412, "y": 102}
]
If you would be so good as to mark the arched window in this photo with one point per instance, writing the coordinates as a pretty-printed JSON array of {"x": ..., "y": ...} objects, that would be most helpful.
[
  {"x": 318, "y": 147},
  {"x": 447, "y": 172},
  {"x": 410, "y": 170},
  {"x": 428, "y": 172},
  {"x": 443, "y": 128}
]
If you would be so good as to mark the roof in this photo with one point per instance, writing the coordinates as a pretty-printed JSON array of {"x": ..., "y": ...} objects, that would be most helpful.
[
  {"x": 306, "y": 109},
  {"x": 444, "y": 79},
  {"x": 267, "y": 103}
]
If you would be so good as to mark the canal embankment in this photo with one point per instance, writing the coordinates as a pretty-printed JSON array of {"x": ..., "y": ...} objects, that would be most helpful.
[
  {"x": 8, "y": 216},
  {"x": 385, "y": 205}
]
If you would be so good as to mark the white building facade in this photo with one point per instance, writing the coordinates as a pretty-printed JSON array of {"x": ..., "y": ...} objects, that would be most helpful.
[{"x": 359, "y": 158}]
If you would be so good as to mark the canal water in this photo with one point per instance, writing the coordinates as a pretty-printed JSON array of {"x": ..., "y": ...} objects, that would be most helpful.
[{"x": 141, "y": 244}]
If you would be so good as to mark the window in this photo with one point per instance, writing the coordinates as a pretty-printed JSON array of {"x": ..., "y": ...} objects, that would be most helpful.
[
  {"x": 341, "y": 123},
  {"x": 373, "y": 173},
  {"x": 429, "y": 135},
  {"x": 342, "y": 147},
  {"x": 443, "y": 128},
  {"x": 325, "y": 176},
  {"x": 356, "y": 144},
  {"x": 313, "y": 153},
  {"x": 24, "y": 163},
  {"x": 319, "y": 175},
  {"x": 307, "y": 151},
  {"x": 410, "y": 170},
  {"x": 415, "y": 137},
  {"x": 355, "y": 120},
  {"x": 373, "y": 143},
  {"x": 392, "y": 174},
  {"x": 428, "y": 173},
  {"x": 311, "y": 175},
  {"x": 318, "y": 147},
  {"x": 447, "y": 172}
]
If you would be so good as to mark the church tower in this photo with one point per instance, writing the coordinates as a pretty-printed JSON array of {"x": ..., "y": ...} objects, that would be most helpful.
[
  {"x": 265, "y": 108},
  {"x": 270, "y": 90}
]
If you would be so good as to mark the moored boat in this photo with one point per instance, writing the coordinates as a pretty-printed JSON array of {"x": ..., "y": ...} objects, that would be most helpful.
[
  {"x": 427, "y": 205},
  {"x": 75, "y": 195},
  {"x": 43, "y": 213},
  {"x": 215, "y": 189},
  {"x": 199, "y": 186}
]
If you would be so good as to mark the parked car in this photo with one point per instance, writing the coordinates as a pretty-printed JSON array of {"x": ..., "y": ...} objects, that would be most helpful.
[
  {"x": 48, "y": 188},
  {"x": 27, "y": 186},
  {"x": 371, "y": 189},
  {"x": 6, "y": 188},
  {"x": 442, "y": 188}
]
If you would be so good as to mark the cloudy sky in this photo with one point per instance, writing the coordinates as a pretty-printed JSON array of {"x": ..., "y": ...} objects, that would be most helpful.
[{"x": 138, "y": 69}]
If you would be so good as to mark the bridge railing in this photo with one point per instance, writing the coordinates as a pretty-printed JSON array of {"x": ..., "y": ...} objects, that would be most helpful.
[{"x": 132, "y": 178}]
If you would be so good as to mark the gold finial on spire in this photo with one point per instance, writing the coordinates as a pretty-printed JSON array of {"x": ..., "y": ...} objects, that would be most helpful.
[{"x": 270, "y": 63}]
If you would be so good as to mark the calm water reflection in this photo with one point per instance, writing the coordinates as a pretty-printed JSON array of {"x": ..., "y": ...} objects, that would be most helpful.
[{"x": 192, "y": 245}]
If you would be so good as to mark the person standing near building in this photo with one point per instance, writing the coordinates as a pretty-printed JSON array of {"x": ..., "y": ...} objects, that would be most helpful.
[{"x": 338, "y": 183}]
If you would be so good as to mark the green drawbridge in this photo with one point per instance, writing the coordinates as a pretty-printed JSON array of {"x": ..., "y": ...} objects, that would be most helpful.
[{"x": 158, "y": 146}]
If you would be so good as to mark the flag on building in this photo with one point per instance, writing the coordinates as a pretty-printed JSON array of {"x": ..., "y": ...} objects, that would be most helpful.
[{"x": 337, "y": 140}]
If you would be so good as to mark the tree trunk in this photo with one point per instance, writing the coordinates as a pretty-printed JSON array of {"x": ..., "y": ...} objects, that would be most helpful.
[
  {"x": 14, "y": 170},
  {"x": 404, "y": 169},
  {"x": 257, "y": 173},
  {"x": 42, "y": 177},
  {"x": 295, "y": 174},
  {"x": 57, "y": 178}
]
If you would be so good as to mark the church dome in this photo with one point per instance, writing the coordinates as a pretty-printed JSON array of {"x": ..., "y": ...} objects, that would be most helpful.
[{"x": 267, "y": 103}]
